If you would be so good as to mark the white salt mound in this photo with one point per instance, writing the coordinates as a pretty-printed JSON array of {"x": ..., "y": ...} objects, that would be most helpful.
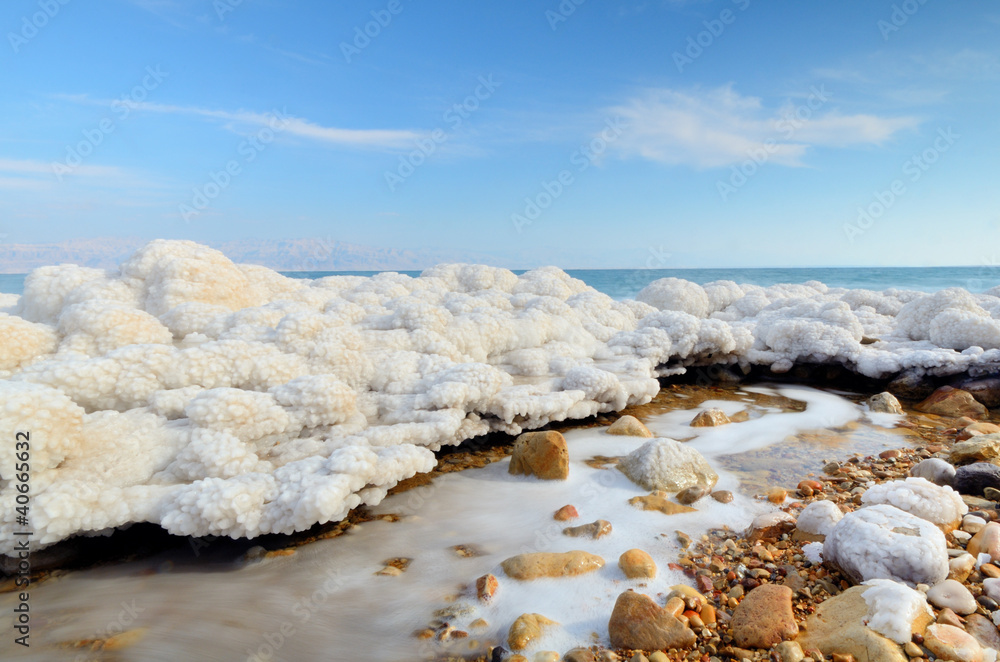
[
  {"x": 217, "y": 398},
  {"x": 884, "y": 542},
  {"x": 819, "y": 517},
  {"x": 892, "y": 608},
  {"x": 920, "y": 497},
  {"x": 665, "y": 464}
]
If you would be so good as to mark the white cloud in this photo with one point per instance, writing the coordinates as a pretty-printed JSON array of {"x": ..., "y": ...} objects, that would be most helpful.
[{"x": 720, "y": 127}]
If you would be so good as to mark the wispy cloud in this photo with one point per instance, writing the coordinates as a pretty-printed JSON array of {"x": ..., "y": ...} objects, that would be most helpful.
[
  {"x": 720, "y": 127},
  {"x": 29, "y": 174}
]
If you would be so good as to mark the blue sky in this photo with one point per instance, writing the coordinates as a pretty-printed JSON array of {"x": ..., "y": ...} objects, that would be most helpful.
[{"x": 664, "y": 133}]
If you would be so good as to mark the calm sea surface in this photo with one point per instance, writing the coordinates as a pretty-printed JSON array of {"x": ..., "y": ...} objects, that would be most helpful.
[{"x": 625, "y": 283}]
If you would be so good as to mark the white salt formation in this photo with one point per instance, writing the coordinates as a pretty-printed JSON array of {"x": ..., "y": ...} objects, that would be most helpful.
[
  {"x": 918, "y": 496},
  {"x": 892, "y": 609},
  {"x": 665, "y": 464},
  {"x": 819, "y": 518},
  {"x": 215, "y": 398},
  {"x": 884, "y": 542}
]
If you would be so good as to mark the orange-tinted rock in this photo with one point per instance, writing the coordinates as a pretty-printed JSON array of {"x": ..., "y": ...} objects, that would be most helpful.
[
  {"x": 977, "y": 429},
  {"x": 542, "y": 454},
  {"x": 566, "y": 513},
  {"x": 777, "y": 495},
  {"x": 710, "y": 418},
  {"x": 527, "y": 628},
  {"x": 486, "y": 587},
  {"x": 639, "y": 623},
  {"x": 948, "y": 401},
  {"x": 629, "y": 426},
  {"x": 594, "y": 530},
  {"x": 551, "y": 564},
  {"x": 636, "y": 563},
  {"x": 987, "y": 541},
  {"x": 764, "y": 617}
]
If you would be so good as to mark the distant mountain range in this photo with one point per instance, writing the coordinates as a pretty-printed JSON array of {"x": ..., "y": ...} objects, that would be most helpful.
[{"x": 282, "y": 255}]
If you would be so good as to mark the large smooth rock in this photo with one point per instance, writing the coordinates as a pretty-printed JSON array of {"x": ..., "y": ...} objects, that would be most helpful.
[
  {"x": 542, "y": 454},
  {"x": 884, "y": 403},
  {"x": 973, "y": 479},
  {"x": 987, "y": 541},
  {"x": 948, "y": 642},
  {"x": 764, "y": 617},
  {"x": 665, "y": 464},
  {"x": 983, "y": 630},
  {"x": 838, "y": 627},
  {"x": 551, "y": 564},
  {"x": 952, "y": 595},
  {"x": 637, "y": 564},
  {"x": 884, "y": 542},
  {"x": 527, "y": 628},
  {"x": 710, "y": 418},
  {"x": 980, "y": 448},
  {"x": 629, "y": 426},
  {"x": 954, "y": 402},
  {"x": 639, "y": 623},
  {"x": 935, "y": 470},
  {"x": 977, "y": 429}
]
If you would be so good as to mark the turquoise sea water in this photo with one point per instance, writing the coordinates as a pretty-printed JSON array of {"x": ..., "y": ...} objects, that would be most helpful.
[{"x": 624, "y": 283}]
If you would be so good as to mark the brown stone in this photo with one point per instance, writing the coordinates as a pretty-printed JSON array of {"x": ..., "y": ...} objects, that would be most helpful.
[
  {"x": 777, "y": 495},
  {"x": 764, "y": 617},
  {"x": 658, "y": 501},
  {"x": 629, "y": 426},
  {"x": 710, "y": 418},
  {"x": 691, "y": 494},
  {"x": 551, "y": 564},
  {"x": 638, "y": 623},
  {"x": 987, "y": 541},
  {"x": 486, "y": 587},
  {"x": 977, "y": 429},
  {"x": 981, "y": 448},
  {"x": 579, "y": 655},
  {"x": 723, "y": 496},
  {"x": 541, "y": 454},
  {"x": 527, "y": 628},
  {"x": 636, "y": 564},
  {"x": 770, "y": 526},
  {"x": 983, "y": 630},
  {"x": 948, "y": 401},
  {"x": 594, "y": 530},
  {"x": 566, "y": 513}
]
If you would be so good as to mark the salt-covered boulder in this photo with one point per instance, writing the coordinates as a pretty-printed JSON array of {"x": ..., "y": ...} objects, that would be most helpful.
[
  {"x": 676, "y": 294},
  {"x": 895, "y": 611},
  {"x": 942, "y": 506},
  {"x": 818, "y": 518},
  {"x": 665, "y": 464},
  {"x": 884, "y": 542}
]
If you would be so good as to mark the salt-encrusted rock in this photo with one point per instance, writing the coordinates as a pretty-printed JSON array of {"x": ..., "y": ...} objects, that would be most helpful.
[
  {"x": 565, "y": 513},
  {"x": 691, "y": 494},
  {"x": 764, "y": 617},
  {"x": 551, "y": 564},
  {"x": 818, "y": 518},
  {"x": 594, "y": 530},
  {"x": 987, "y": 541},
  {"x": 895, "y": 611},
  {"x": 638, "y": 623},
  {"x": 636, "y": 564},
  {"x": 884, "y": 403},
  {"x": 976, "y": 429},
  {"x": 838, "y": 627},
  {"x": 527, "y": 628},
  {"x": 948, "y": 401},
  {"x": 884, "y": 542},
  {"x": 948, "y": 642},
  {"x": 770, "y": 526},
  {"x": 542, "y": 454},
  {"x": 658, "y": 501},
  {"x": 664, "y": 464},
  {"x": 980, "y": 448},
  {"x": 486, "y": 587},
  {"x": 629, "y": 426},
  {"x": 942, "y": 506},
  {"x": 935, "y": 470},
  {"x": 974, "y": 479},
  {"x": 960, "y": 567},
  {"x": 983, "y": 630},
  {"x": 710, "y": 418},
  {"x": 953, "y": 595}
]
